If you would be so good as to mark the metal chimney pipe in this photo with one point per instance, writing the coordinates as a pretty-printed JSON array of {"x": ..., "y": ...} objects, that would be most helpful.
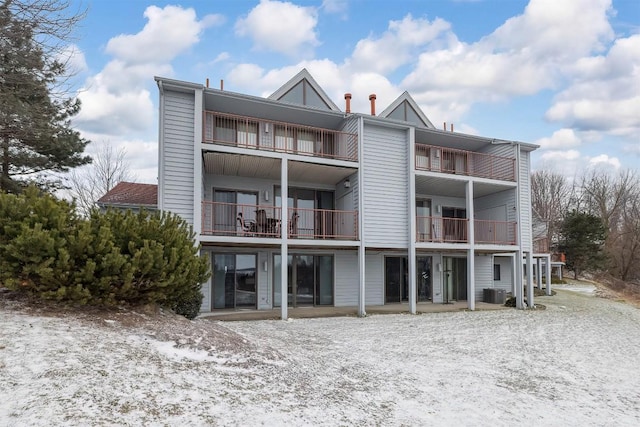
[
  {"x": 221, "y": 84},
  {"x": 451, "y": 127},
  {"x": 372, "y": 99},
  {"x": 207, "y": 81},
  {"x": 347, "y": 98}
]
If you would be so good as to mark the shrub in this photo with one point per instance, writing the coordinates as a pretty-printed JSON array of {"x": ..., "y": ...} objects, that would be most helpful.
[{"x": 111, "y": 258}]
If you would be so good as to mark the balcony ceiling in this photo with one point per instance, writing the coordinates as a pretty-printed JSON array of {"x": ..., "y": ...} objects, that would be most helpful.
[
  {"x": 441, "y": 186},
  {"x": 269, "y": 168}
]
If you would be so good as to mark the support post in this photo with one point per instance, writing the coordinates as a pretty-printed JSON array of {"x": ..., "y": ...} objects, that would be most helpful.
[
  {"x": 471, "y": 253},
  {"x": 519, "y": 284},
  {"x": 413, "y": 294},
  {"x": 548, "y": 273},
  {"x": 539, "y": 272},
  {"x": 529, "y": 256},
  {"x": 284, "y": 236},
  {"x": 362, "y": 248}
]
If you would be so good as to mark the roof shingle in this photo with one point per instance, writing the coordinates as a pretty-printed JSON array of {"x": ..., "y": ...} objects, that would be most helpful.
[{"x": 131, "y": 193}]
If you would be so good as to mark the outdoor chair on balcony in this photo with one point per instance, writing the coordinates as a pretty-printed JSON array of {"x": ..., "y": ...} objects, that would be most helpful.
[{"x": 245, "y": 227}]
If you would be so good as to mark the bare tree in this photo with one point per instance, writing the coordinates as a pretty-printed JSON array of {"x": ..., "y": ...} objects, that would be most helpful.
[
  {"x": 109, "y": 167},
  {"x": 615, "y": 200},
  {"x": 550, "y": 199}
]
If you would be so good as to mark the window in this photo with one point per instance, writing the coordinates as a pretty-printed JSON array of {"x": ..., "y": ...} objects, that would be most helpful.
[{"x": 496, "y": 272}]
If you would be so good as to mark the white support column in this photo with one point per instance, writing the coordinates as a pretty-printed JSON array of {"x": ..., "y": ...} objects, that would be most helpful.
[
  {"x": 413, "y": 294},
  {"x": 284, "y": 231},
  {"x": 471, "y": 253},
  {"x": 519, "y": 284},
  {"x": 197, "y": 163},
  {"x": 362, "y": 248},
  {"x": 514, "y": 288},
  {"x": 548, "y": 273},
  {"x": 529, "y": 256},
  {"x": 539, "y": 272}
]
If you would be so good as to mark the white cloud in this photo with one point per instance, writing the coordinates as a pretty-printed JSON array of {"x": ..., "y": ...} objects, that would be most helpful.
[
  {"x": 168, "y": 32},
  {"x": 280, "y": 27},
  {"x": 117, "y": 100},
  {"x": 605, "y": 93},
  {"x": 398, "y": 45},
  {"x": 222, "y": 56},
  {"x": 604, "y": 159},
  {"x": 561, "y": 139},
  {"x": 335, "y": 6},
  {"x": 561, "y": 155}
]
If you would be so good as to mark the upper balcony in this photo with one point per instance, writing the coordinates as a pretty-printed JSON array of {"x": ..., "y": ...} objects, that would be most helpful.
[
  {"x": 439, "y": 229},
  {"x": 461, "y": 162},
  {"x": 267, "y": 135}
]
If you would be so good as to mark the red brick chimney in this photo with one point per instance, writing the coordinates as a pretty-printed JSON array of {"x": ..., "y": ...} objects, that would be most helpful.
[{"x": 372, "y": 98}]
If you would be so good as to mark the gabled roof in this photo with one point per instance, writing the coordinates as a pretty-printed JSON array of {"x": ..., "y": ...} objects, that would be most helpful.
[
  {"x": 406, "y": 109},
  {"x": 131, "y": 194},
  {"x": 300, "y": 83}
]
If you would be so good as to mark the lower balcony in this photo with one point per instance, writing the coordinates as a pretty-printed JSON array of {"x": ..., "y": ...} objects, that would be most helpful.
[
  {"x": 233, "y": 219},
  {"x": 439, "y": 229}
]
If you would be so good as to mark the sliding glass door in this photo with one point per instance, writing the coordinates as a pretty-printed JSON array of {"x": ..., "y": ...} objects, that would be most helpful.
[
  {"x": 396, "y": 279},
  {"x": 231, "y": 207},
  {"x": 309, "y": 278},
  {"x": 234, "y": 281}
]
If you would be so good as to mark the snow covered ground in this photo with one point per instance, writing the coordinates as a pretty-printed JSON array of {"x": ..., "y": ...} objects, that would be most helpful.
[{"x": 575, "y": 363}]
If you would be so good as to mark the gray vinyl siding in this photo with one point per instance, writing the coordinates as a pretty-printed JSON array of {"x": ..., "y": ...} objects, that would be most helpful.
[
  {"x": 346, "y": 279},
  {"x": 525, "y": 202},
  {"x": 505, "y": 281},
  {"x": 178, "y": 154},
  {"x": 483, "y": 275},
  {"x": 505, "y": 198},
  {"x": 374, "y": 279},
  {"x": 504, "y": 150},
  {"x": 351, "y": 126},
  {"x": 385, "y": 187}
]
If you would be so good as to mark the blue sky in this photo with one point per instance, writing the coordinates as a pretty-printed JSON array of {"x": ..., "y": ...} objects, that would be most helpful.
[{"x": 562, "y": 74}]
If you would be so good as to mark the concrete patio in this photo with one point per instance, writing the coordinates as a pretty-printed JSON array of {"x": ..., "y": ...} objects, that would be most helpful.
[{"x": 309, "y": 312}]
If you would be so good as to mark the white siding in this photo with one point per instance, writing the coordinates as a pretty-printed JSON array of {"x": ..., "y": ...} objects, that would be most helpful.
[
  {"x": 374, "y": 279},
  {"x": 385, "y": 187},
  {"x": 504, "y": 199},
  {"x": 177, "y": 182},
  {"x": 525, "y": 202},
  {"x": 351, "y": 126},
  {"x": 504, "y": 150},
  {"x": 346, "y": 279},
  {"x": 505, "y": 281},
  {"x": 483, "y": 275}
]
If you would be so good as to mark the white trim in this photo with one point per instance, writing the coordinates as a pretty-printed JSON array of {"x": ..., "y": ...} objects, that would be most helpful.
[
  {"x": 197, "y": 162},
  {"x": 362, "y": 250},
  {"x": 411, "y": 173}
]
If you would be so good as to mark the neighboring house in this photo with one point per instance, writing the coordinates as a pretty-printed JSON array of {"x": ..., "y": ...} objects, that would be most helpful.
[
  {"x": 130, "y": 196},
  {"x": 380, "y": 209}
]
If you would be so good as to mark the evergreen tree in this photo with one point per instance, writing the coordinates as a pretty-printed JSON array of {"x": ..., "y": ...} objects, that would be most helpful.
[
  {"x": 35, "y": 129},
  {"x": 582, "y": 241}
]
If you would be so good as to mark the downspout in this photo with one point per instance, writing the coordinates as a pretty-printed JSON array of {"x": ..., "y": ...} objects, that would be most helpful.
[
  {"x": 519, "y": 286},
  {"x": 160, "y": 200}
]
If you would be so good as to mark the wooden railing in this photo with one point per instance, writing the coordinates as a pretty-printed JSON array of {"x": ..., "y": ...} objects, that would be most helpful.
[
  {"x": 455, "y": 230},
  {"x": 452, "y": 161},
  {"x": 232, "y": 219},
  {"x": 260, "y": 134},
  {"x": 323, "y": 224},
  {"x": 495, "y": 232}
]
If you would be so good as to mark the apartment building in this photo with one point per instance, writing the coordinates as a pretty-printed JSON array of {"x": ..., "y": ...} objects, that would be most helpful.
[{"x": 298, "y": 202}]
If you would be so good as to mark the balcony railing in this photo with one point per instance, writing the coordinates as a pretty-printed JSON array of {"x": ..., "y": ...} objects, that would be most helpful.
[
  {"x": 440, "y": 229},
  {"x": 323, "y": 224},
  {"x": 260, "y": 134},
  {"x": 495, "y": 232},
  {"x": 232, "y": 219},
  {"x": 455, "y": 230},
  {"x": 461, "y": 162}
]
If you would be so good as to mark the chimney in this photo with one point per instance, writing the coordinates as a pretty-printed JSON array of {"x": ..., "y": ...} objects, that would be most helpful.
[
  {"x": 451, "y": 127},
  {"x": 372, "y": 98},
  {"x": 207, "y": 81},
  {"x": 445, "y": 126},
  {"x": 221, "y": 84},
  {"x": 347, "y": 98}
]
